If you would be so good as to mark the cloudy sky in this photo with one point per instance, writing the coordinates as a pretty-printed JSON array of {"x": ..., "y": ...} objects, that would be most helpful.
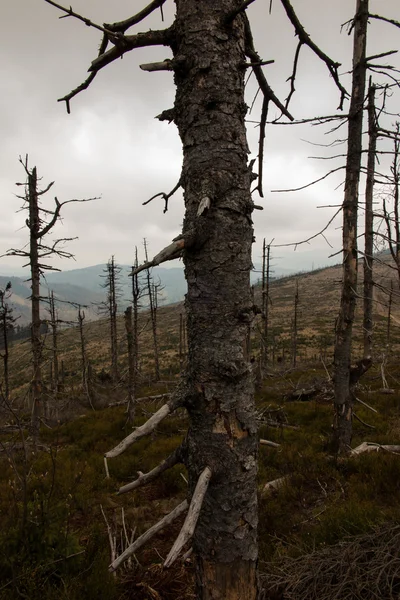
[{"x": 111, "y": 146}]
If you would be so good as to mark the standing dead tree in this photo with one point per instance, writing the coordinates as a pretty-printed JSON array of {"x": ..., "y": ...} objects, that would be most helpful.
[
  {"x": 110, "y": 308},
  {"x": 40, "y": 222},
  {"x": 7, "y": 321},
  {"x": 343, "y": 402},
  {"x": 265, "y": 284},
  {"x": 369, "y": 224},
  {"x": 153, "y": 313},
  {"x": 210, "y": 43}
]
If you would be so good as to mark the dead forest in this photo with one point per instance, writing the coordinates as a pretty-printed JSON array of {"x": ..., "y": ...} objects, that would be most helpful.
[{"x": 244, "y": 443}]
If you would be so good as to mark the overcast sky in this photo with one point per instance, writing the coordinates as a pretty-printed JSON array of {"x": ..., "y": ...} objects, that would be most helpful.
[{"x": 111, "y": 146}]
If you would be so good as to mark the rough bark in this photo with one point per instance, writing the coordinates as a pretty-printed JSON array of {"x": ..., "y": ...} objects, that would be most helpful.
[
  {"x": 369, "y": 226},
  {"x": 210, "y": 111},
  {"x": 111, "y": 276},
  {"x": 6, "y": 325},
  {"x": 342, "y": 425},
  {"x": 265, "y": 301}
]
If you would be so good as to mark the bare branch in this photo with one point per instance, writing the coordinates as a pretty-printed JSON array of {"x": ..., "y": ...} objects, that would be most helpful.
[
  {"x": 295, "y": 244},
  {"x": 380, "y": 18},
  {"x": 258, "y": 72},
  {"x": 130, "y": 42},
  {"x": 303, "y": 187},
  {"x": 163, "y": 195},
  {"x": 236, "y": 12},
  {"x": 143, "y": 539},
  {"x": 190, "y": 523},
  {"x": 304, "y": 38},
  {"x": 70, "y": 13},
  {"x": 122, "y": 26},
  {"x": 175, "y": 402},
  {"x": 171, "y": 252},
  {"x": 145, "y": 478},
  {"x": 269, "y": 443}
]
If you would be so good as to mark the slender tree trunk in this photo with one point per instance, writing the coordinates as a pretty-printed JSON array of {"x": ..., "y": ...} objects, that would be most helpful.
[
  {"x": 209, "y": 113},
  {"x": 36, "y": 343},
  {"x": 342, "y": 425},
  {"x": 113, "y": 323},
  {"x": 86, "y": 373},
  {"x": 53, "y": 322},
  {"x": 265, "y": 302},
  {"x": 131, "y": 364},
  {"x": 136, "y": 293},
  {"x": 152, "y": 317},
  {"x": 369, "y": 226}
]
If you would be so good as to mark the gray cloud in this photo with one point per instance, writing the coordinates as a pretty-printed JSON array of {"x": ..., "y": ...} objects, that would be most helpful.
[{"x": 111, "y": 145}]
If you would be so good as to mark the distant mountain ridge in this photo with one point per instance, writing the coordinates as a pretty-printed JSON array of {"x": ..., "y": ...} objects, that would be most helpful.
[{"x": 85, "y": 286}]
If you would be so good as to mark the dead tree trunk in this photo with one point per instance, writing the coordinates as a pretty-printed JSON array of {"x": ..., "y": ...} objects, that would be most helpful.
[
  {"x": 131, "y": 364},
  {"x": 265, "y": 301},
  {"x": 153, "y": 316},
  {"x": 369, "y": 225},
  {"x": 85, "y": 365},
  {"x": 220, "y": 397},
  {"x": 343, "y": 403},
  {"x": 111, "y": 309},
  {"x": 6, "y": 325},
  {"x": 392, "y": 219},
  {"x": 34, "y": 227},
  {"x": 136, "y": 295},
  {"x": 54, "y": 331}
]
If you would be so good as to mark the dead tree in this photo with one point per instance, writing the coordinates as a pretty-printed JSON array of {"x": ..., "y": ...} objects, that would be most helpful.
[
  {"x": 54, "y": 349},
  {"x": 40, "y": 222},
  {"x": 7, "y": 321},
  {"x": 211, "y": 42},
  {"x": 265, "y": 283},
  {"x": 343, "y": 403},
  {"x": 131, "y": 364},
  {"x": 85, "y": 364},
  {"x": 369, "y": 224},
  {"x": 110, "y": 308},
  {"x": 153, "y": 314}
]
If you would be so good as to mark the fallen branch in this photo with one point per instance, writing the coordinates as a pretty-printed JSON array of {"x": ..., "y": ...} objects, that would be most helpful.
[
  {"x": 363, "y": 422},
  {"x": 190, "y": 523},
  {"x": 145, "y": 537},
  {"x": 145, "y": 478},
  {"x": 373, "y": 447}
]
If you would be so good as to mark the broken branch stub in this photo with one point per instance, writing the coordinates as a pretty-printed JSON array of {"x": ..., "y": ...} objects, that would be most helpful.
[{"x": 191, "y": 518}]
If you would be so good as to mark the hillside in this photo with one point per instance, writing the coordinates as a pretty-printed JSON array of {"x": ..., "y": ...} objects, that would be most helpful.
[{"x": 328, "y": 517}]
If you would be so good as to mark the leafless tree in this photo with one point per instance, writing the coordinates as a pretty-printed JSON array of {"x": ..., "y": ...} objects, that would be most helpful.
[
  {"x": 7, "y": 321},
  {"x": 295, "y": 324},
  {"x": 153, "y": 313},
  {"x": 110, "y": 308},
  {"x": 211, "y": 42},
  {"x": 40, "y": 222},
  {"x": 369, "y": 224}
]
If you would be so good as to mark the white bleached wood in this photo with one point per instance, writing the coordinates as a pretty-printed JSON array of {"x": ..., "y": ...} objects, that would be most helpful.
[
  {"x": 145, "y": 537},
  {"x": 274, "y": 485},
  {"x": 204, "y": 205},
  {"x": 106, "y": 468},
  {"x": 269, "y": 443},
  {"x": 366, "y": 405},
  {"x": 373, "y": 447},
  {"x": 140, "y": 432},
  {"x": 191, "y": 518}
]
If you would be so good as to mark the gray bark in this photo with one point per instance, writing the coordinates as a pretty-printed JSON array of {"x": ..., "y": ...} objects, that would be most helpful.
[
  {"x": 209, "y": 112},
  {"x": 369, "y": 226},
  {"x": 343, "y": 403}
]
